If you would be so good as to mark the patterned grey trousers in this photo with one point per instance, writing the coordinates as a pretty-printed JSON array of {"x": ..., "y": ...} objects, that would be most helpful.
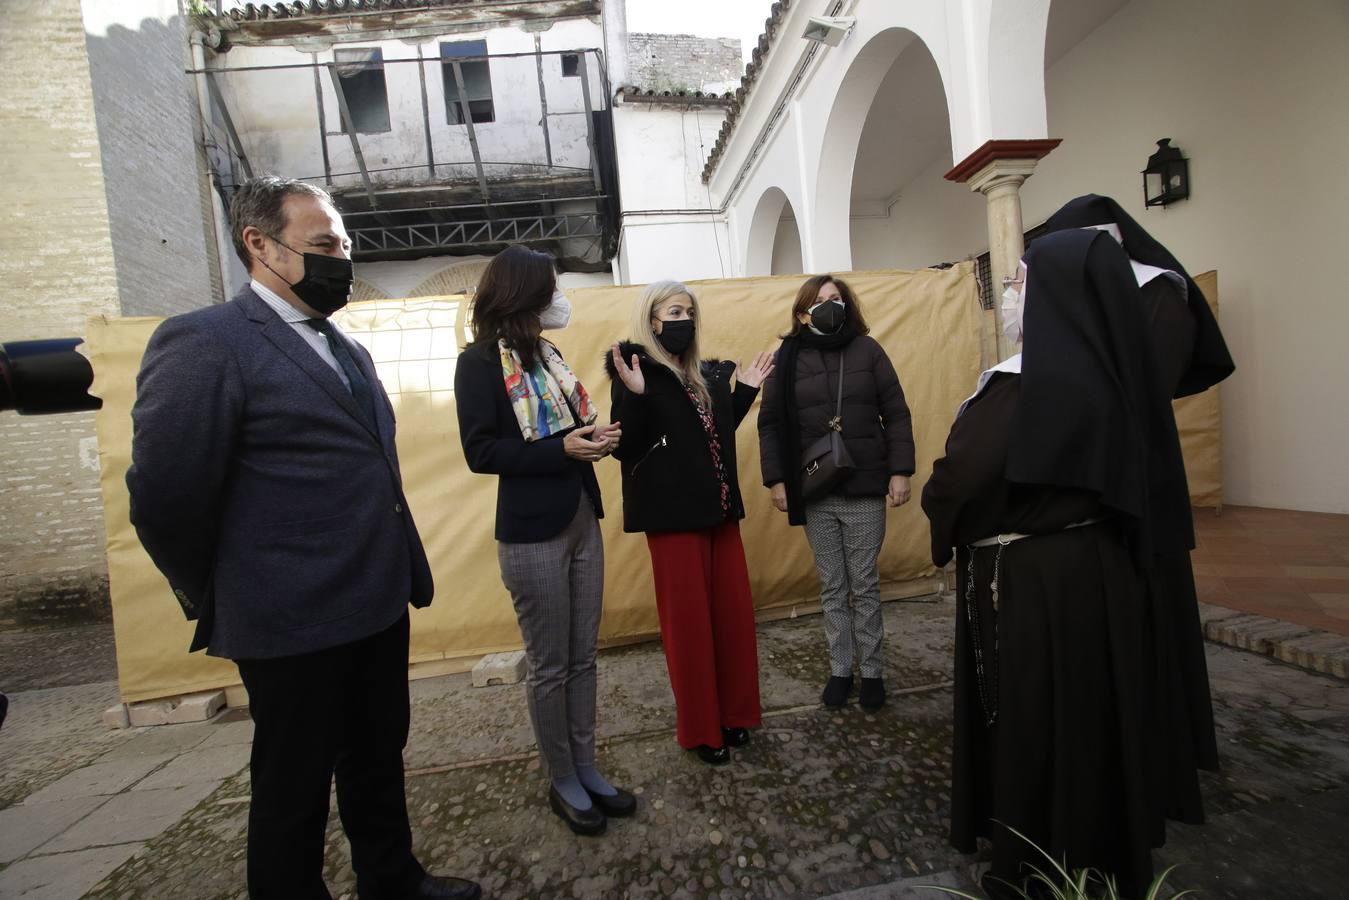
[
  {"x": 845, "y": 534},
  {"x": 557, "y": 587}
]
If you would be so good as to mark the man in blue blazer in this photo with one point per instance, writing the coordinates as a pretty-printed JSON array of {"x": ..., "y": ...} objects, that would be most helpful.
[{"x": 265, "y": 486}]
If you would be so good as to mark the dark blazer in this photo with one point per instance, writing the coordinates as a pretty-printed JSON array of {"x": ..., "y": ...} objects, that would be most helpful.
[
  {"x": 540, "y": 485},
  {"x": 877, "y": 427},
  {"x": 259, "y": 490},
  {"x": 669, "y": 483}
]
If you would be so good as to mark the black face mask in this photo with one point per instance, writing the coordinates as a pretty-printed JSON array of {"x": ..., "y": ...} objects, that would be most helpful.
[
  {"x": 327, "y": 281},
  {"x": 828, "y": 317},
  {"x": 676, "y": 337}
]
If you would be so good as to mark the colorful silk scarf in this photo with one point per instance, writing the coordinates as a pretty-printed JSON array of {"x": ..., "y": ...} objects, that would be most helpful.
[{"x": 548, "y": 398}]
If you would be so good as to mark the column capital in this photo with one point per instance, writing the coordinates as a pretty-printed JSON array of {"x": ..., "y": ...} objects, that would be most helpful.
[
  {"x": 1001, "y": 176},
  {"x": 1023, "y": 153}
]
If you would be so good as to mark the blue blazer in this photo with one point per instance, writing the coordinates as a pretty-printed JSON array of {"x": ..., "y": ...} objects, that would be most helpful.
[{"x": 273, "y": 508}]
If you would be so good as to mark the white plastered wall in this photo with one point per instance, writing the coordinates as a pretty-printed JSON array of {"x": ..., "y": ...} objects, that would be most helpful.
[
  {"x": 1256, "y": 102},
  {"x": 670, "y": 228}
]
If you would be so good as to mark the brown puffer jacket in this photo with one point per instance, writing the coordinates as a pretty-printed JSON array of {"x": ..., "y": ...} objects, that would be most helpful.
[{"x": 876, "y": 423}]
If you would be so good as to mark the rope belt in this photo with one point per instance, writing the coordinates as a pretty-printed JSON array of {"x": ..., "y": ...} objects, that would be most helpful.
[{"x": 986, "y": 671}]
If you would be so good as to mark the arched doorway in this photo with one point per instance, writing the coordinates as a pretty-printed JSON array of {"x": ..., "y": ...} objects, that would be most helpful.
[
  {"x": 886, "y": 144},
  {"x": 902, "y": 211},
  {"x": 787, "y": 245},
  {"x": 774, "y": 244}
]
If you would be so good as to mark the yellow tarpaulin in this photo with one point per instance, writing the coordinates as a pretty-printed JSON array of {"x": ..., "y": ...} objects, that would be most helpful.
[
  {"x": 1199, "y": 419},
  {"x": 928, "y": 322}
]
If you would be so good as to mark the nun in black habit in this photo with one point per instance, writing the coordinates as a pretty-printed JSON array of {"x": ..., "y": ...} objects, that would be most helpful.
[
  {"x": 1044, "y": 492},
  {"x": 1189, "y": 356}
]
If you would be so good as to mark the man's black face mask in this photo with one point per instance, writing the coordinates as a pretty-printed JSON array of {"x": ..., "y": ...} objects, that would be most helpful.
[{"x": 327, "y": 281}]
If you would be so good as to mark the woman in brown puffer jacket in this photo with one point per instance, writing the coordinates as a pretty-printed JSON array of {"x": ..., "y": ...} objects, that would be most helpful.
[{"x": 846, "y": 527}]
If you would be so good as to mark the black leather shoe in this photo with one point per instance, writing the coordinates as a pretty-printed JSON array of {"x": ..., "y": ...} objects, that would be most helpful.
[
  {"x": 735, "y": 737},
  {"x": 872, "y": 695},
  {"x": 836, "y": 691},
  {"x": 442, "y": 886},
  {"x": 714, "y": 756},
  {"x": 581, "y": 821},
  {"x": 615, "y": 806}
]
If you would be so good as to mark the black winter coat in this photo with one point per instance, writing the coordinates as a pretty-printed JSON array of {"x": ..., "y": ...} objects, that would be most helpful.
[
  {"x": 669, "y": 483},
  {"x": 877, "y": 427}
]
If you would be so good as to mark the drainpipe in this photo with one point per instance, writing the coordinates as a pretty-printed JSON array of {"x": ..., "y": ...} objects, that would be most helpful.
[{"x": 224, "y": 250}]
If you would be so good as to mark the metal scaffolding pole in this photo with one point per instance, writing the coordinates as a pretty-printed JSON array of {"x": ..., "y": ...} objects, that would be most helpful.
[
  {"x": 229, "y": 122},
  {"x": 467, "y": 117},
  {"x": 590, "y": 119},
  {"x": 350, "y": 129},
  {"x": 323, "y": 122},
  {"x": 426, "y": 116},
  {"x": 543, "y": 101}
]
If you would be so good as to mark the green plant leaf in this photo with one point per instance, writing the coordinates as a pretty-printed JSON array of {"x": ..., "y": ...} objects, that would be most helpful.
[{"x": 946, "y": 890}]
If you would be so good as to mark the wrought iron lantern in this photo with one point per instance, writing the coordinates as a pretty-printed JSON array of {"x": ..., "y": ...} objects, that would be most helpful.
[{"x": 1167, "y": 177}]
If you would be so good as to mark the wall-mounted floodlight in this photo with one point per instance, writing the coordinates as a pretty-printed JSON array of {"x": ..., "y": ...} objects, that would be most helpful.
[{"x": 829, "y": 30}]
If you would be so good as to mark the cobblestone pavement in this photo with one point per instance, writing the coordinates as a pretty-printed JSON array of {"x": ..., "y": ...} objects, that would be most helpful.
[{"x": 822, "y": 804}]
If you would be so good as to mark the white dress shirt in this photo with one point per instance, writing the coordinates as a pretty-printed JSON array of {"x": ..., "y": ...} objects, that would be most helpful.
[{"x": 300, "y": 322}]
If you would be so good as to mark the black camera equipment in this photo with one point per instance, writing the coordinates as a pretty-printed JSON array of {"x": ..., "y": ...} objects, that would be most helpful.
[{"x": 42, "y": 377}]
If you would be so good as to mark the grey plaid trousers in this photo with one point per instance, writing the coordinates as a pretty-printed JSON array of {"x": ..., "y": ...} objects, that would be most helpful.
[{"x": 557, "y": 587}]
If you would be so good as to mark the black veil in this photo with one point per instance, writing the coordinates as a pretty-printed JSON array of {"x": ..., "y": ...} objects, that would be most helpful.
[{"x": 1210, "y": 362}]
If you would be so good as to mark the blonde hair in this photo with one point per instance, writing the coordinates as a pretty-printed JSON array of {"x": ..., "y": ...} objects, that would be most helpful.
[{"x": 688, "y": 369}]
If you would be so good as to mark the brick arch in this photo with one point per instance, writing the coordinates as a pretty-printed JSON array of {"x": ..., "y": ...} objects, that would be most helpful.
[
  {"x": 364, "y": 290},
  {"x": 459, "y": 278}
]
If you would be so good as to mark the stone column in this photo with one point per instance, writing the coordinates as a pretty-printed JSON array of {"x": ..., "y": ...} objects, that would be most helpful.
[
  {"x": 1000, "y": 182},
  {"x": 997, "y": 170}
]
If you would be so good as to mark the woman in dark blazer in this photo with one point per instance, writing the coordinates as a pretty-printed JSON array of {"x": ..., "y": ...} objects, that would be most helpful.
[
  {"x": 847, "y": 526},
  {"x": 680, "y": 488},
  {"x": 524, "y": 417}
]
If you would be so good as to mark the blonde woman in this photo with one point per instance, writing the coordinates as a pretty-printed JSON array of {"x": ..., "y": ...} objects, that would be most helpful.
[{"x": 679, "y": 417}]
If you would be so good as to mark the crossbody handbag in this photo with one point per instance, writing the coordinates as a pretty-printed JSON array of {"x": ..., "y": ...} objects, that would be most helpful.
[{"x": 826, "y": 461}]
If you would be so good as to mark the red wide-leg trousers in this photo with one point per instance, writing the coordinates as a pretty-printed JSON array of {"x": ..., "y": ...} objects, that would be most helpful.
[{"x": 707, "y": 628}]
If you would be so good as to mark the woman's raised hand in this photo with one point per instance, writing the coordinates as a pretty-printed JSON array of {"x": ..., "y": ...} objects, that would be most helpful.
[
  {"x": 758, "y": 371},
  {"x": 631, "y": 376}
]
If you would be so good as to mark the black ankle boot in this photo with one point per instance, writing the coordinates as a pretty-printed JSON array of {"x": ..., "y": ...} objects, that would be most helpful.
[
  {"x": 872, "y": 695},
  {"x": 836, "y": 691}
]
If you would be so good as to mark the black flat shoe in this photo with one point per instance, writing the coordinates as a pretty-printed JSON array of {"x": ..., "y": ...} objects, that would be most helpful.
[
  {"x": 714, "y": 756},
  {"x": 735, "y": 737},
  {"x": 872, "y": 695},
  {"x": 445, "y": 888},
  {"x": 581, "y": 821},
  {"x": 615, "y": 806},
  {"x": 836, "y": 691}
]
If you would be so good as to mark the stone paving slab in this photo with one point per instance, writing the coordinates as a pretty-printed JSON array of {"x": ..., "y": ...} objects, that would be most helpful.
[
  {"x": 25, "y": 828},
  {"x": 64, "y": 876},
  {"x": 50, "y": 733},
  {"x": 228, "y": 733},
  {"x": 211, "y": 764},
  {"x": 134, "y": 816},
  {"x": 144, "y": 743},
  {"x": 99, "y": 779}
]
